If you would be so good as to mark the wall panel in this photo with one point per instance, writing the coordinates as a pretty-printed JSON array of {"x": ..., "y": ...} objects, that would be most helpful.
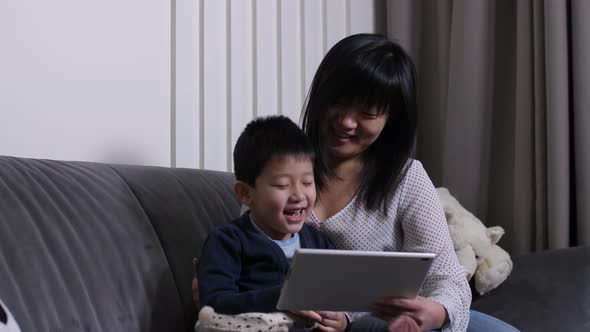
[
  {"x": 291, "y": 59},
  {"x": 336, "y": 20},
  {"x": 258, "y": 58},
  {"x": 242, "y": 67},
  {"x": 215, "y": 85},
  {"x": 314, "y": 34},
  {"x": 267, "y": 51},
  {"x": 187, "y": 85},
  {"x": 363, "y": 19}
]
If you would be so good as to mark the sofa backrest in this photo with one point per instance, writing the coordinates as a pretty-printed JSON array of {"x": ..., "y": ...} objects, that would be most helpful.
[
  {"x": 183, "y": 205},
  {"x": 96, "y": 247}
]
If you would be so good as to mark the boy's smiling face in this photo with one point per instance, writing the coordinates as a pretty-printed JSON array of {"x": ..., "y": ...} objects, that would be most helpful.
[{"x": 283, "y": 196}]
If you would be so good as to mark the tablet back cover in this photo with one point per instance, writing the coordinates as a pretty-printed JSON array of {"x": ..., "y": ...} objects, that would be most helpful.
[{"x": 341, "y": 280}]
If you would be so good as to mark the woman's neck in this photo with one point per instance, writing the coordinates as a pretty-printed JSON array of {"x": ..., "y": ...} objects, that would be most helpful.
[
  {"x": 340, "y": 190},
  {"x": 348, "y": 170}
]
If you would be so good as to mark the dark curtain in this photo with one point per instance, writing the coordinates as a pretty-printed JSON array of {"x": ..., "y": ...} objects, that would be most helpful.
[{"x": 503, "y": 110}]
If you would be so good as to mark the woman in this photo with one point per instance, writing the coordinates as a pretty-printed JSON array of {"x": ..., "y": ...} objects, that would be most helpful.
[{"x": 361, "y": 118}]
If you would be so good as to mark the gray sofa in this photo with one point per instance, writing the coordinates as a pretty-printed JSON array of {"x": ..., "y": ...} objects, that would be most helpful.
[{"x": 97, "y": 247}]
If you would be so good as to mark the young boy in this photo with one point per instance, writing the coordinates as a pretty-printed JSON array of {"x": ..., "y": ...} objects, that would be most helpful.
[{"x": 243, "y": 264}]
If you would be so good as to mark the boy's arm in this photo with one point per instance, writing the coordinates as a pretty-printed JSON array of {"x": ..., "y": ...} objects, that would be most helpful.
[{"x": 219, "y": 270}]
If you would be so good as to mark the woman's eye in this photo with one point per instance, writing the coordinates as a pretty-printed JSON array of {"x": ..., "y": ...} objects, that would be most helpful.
[
  {"x": 280, "y": 186},
  {"x": 308, "y": 183},
  {"x": 370, "y": 114},
  {"x": 373, "y": 113}
]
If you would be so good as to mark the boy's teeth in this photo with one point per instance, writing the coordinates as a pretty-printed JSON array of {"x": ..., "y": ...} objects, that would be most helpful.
[{"x": 293, "y": 212}]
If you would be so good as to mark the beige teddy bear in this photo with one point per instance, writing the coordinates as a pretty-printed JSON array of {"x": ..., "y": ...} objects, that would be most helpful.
[{"x": 475, "y": 245}]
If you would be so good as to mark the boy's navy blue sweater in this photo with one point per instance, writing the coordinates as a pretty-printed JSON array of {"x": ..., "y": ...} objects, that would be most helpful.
[{"x": 242, "y": 270}]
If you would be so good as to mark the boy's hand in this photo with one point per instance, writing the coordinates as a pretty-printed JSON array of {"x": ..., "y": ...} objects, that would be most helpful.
[
  {"x": 327, "y": 321},
  {"x": 332, "y": 321}
]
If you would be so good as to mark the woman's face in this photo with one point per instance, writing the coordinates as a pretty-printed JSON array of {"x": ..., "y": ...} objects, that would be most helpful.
[{"x": 351, "y": 128}]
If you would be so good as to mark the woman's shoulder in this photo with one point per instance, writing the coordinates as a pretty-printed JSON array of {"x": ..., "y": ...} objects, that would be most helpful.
[
  {"x": 416, "y": 177},
  {"x": 415, "y": 169},
  {"x": 416, "y": 184}
]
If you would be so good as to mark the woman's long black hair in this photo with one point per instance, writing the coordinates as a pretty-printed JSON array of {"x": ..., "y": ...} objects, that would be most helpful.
[{"x": 372, "y": 71}]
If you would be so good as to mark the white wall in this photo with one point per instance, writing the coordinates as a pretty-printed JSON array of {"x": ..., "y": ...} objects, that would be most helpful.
[
  {"x": 168, "y": 83},
  {"x": 85, "y": 80}
]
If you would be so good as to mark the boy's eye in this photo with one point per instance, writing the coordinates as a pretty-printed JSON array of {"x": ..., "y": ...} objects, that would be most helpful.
[
  {"x": 308, "y": 183},
  {"x": 280, "y": 186}
]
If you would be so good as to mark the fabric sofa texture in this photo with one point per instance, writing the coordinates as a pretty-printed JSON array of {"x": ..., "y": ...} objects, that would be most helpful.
[
  {"x": 94, "y": 247},
  {"x": 97, "y": 247}
]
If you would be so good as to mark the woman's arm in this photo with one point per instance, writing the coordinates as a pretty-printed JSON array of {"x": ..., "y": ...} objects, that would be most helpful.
[{"x": 425, "y": 230}]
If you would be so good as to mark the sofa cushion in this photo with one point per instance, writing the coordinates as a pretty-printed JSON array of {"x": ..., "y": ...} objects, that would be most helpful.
[
  {"x": 78, "y": 253},
  {"x": 547, "y": 291},
  {"x": 183, "y": 205}
]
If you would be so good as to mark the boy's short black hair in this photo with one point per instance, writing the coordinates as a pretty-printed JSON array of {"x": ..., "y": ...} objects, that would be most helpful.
[{"x": 265, "y": 138}]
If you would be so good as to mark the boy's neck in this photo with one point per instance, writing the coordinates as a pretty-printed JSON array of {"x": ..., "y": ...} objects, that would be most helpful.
[{"x": 271, "y": 236}]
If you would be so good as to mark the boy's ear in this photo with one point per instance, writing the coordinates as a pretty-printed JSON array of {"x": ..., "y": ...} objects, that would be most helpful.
[{"x": 244, "y": 192}]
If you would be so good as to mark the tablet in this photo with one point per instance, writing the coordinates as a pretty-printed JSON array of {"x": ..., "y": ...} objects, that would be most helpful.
[{"x": 348, "y": 280}]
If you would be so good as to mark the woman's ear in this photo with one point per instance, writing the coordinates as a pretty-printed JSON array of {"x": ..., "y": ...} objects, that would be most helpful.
[{"x": 244, "y": 192}]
